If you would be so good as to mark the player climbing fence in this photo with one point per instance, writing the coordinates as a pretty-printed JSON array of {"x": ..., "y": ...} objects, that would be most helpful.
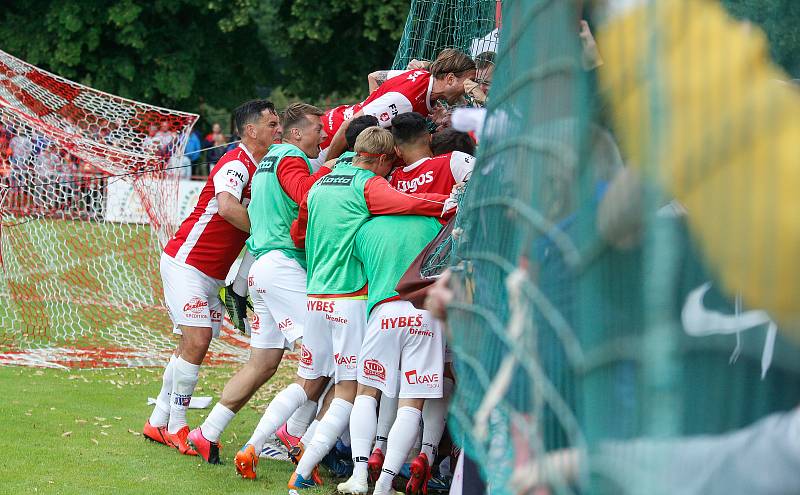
[
  {"x": 596, "y": 313},
  {"x": 80, "y": 283}
]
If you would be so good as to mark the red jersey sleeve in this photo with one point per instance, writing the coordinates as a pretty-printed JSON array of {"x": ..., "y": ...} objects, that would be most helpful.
[
  {"x": 298, "y": 228},
  {"x": 383, "y": 199},
  {"x": 295, "y": 179}
]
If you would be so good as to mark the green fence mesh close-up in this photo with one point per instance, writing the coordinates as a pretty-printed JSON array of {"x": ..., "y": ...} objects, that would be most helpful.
[{"x": 625, "y": 288}]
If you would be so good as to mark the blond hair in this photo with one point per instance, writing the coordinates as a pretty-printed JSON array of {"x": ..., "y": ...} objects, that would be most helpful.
[
  {"x": 295, "y": 115},
  {"x": 451, "y": 60},
  {"x": 373, "y": 141}
]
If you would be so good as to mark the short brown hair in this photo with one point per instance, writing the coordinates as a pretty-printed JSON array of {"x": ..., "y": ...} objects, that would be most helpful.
[
  {"x": 451, "y": 60},
  {"x": 484, "y": 60},
  {"x": 295, "y": 115},
  {"x": 373, "y": 141}
]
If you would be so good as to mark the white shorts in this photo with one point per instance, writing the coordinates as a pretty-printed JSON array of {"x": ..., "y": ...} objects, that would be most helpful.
[
  {"x": 277, "y": 286},
  {"x": 192, "y": 296},
  {"x": 332, "y": 338},
  {"x": 402, "y": 337}
]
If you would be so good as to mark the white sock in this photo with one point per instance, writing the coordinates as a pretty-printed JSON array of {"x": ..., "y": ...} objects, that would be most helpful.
[
  {"x": 434, "y": 413},
  {"x": 160, "y": 414},
  {"x": 363, "y": 423},
  {"x": 278, "y": 411},
  {"x": 240, "y": 282},
  {"x": 386, "y": 415},
  {"x": 309, "y": 434},
  {"x": 401, "y": 437},
  {"x": 328, "y": 430},
  {"x": 184, "y": 379},
  {"x": 216, "y": 422},
  {"x": 302, "y": 417},
  {"x": 345, "y": 438}
]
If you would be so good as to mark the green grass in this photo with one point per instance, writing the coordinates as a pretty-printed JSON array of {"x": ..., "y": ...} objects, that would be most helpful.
[{"x": 68, "y": 432}]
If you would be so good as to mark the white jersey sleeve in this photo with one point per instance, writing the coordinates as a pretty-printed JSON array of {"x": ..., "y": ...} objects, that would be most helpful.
[
  {"x": 231, "y": 178},
  {"x": 461, "y": 165},
  {"x": 387, "y": 106},
  {"x": 394, "y": 73}
]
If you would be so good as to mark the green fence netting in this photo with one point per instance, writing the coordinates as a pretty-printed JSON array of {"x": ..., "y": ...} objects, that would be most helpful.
[
  {"x": 433, "y": 25},
  {"x": 626, "y": 255}
]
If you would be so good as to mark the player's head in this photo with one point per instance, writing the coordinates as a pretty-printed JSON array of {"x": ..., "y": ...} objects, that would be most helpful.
[
  {"x": 484, "y": 63},
  {"x": 257, "y": 123},
  {"x": 374, "y": 149},
  {"x": 450, "y": 69},
  {"x": 449, "y": 139},
  {"x": 302, "y": 127},
  {"x": 411, "y": 136},
  {"x": 357, "y": 125}
]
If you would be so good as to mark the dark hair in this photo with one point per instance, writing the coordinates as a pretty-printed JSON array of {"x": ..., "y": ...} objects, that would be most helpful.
[
  {"x": 484, "y": 60},
  {"x": 449, "y": 139},
  {"x": 249, "y": 112},
  {"x": 357, "y": 125},
  {"x": 409, "y": 127},
  {"x": 451, "y": 60},
  {"x": 295, "y": 115}
]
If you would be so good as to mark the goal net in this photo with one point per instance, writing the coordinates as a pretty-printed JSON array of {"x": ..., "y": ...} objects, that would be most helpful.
[{"x": 89, "y": 196}]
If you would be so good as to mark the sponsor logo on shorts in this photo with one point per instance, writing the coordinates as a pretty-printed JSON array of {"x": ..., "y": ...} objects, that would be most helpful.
[
  {"x": 195, "y": 308},
  {"x": 413, "y": 184},
  {"x": 305, "y": 356},
  {"x": 255, "y": 324},
  {"x": 326, "y": 306},
  {"x": 429, "y": 379},
  {"x": 348, "y": 362},
  {"x": 336, "y": 319},
  {"x": 374, "y": 369},
  {"x": 287, "y": 323},
  {"x": 216, "y": 316},
  {"x": 250, "y": 281},
  {"x": 401, "y": 322}
]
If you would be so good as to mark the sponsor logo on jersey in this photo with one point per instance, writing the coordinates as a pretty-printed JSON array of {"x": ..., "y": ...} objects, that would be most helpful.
[
  {"x": 195, "y": 308},
  {"x": 336, "y": 180},
  {"x": 384, "y": 117},
  {"x": 348, "y": 362},
  {"x": 429, "y": 379},
  {"x": 255, "y": 324},
  {"x": 305, "y": 356},
  {"x": 421, "y": 331},
  {"x": 267, "y": 164},
  {"x": 374, "y": 369},
  {"x": 413, "y": 184},
  {"x": 401, "y": 322},
  {"x": 236, "y": 174},
  {"x": 316, "y": 305},
  {"x": 414, "y": 75}
]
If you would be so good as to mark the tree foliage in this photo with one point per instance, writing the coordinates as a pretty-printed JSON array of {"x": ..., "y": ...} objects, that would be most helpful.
[{"x": 186, "y": 53}]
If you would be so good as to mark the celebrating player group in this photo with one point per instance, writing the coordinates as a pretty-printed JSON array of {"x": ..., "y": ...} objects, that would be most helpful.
[{"x": 332, "y": 208}]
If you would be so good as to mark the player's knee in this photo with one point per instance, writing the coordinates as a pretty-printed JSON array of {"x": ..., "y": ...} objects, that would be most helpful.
[{"x": 368, "y": 391}]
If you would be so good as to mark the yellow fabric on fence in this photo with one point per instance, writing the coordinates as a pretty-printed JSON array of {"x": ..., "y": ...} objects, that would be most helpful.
[{"x": 698, "y": 104}]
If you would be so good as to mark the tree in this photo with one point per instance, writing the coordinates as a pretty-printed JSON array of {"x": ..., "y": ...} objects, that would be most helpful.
[{"x": 186, "y": 53}]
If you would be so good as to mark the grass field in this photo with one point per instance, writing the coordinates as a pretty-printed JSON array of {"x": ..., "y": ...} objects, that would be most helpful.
[{"x": 69, "y": 432}]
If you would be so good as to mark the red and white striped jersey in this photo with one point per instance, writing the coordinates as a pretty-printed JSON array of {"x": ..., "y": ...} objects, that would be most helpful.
[
  {"x": 436, "y": 174},
  {"x": 205, "y": 240},
  {"x": 405, "y": 91}
]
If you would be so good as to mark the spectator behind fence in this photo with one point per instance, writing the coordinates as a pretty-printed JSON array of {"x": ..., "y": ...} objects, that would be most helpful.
[{"x": 215, "y": 153}]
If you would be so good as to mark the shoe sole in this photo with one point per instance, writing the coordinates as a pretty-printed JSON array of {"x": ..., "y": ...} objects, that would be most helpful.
[{"x": 245, "y": 466}]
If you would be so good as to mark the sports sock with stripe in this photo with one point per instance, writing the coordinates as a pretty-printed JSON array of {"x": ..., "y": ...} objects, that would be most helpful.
[
  {"x": 363, "y": 424},
  {"x": 434, "y": 413},
  {"x": 387, "y": 413},
  {"x": 160, "y": 414},
  {"x": 184, "y": 379},
  {"x": 401, "y": 438}
]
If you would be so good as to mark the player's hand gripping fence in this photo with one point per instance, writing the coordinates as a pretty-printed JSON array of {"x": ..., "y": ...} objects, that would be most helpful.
[
  {"x": 592, "y": 354},
  {"x": 80, "y": 279}
]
